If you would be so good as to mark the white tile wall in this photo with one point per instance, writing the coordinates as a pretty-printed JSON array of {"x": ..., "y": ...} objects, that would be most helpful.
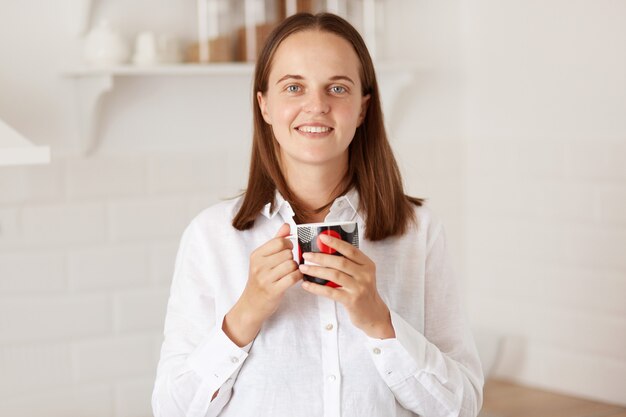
[
  {"x": 33, "y": 272},
  {"x": 153, "y": 218},
  {"x": 33, "y": 368},
  {"x": 140, "y": 310},
  {"x": 546, "y": 229},
  {"x": 108, "y": 267},
  {"x": 131, "y": 397},
  {"x": 39, "y": 318},
  {"x": 114, "y": 357},
  {"x": 107, "y": 177},
  {"x": 84, "y": 400},
  {"x": 84, "y": 278},
  {"x": 50, "y": 225},
  {"x": 33, "y": 184}
]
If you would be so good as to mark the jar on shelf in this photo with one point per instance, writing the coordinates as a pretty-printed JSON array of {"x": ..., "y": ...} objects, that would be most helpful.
[
  {"x": 338, "y": 7},
  {"x": 368, "y": 17},
  {"x": 287, "y": 8},
  {"x": 256, "y": 19},
  {"x": 215, "y": 33}
]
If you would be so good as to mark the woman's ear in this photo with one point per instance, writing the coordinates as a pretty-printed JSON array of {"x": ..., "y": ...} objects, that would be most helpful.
[
  {"x": 364, "y": 103},
  {"x": 263, "y": 107}
]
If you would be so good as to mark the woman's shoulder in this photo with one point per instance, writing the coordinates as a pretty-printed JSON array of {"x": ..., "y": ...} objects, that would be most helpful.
[
  {"x": 219, "y": 215},
  {"x": 426, "y": 220}
]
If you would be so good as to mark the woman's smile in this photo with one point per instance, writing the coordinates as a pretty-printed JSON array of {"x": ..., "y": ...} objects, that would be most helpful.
[{"x": 314, "y": 130}]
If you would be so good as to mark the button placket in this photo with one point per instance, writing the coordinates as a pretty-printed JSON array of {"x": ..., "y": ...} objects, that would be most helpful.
[{"x": 330, "y": 357}]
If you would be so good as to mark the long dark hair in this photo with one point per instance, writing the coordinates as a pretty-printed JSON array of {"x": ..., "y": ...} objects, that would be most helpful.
[{"x": 372, "y": 168}]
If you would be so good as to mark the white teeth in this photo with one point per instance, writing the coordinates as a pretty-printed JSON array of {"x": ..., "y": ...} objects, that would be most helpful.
[{"x": 314, "y": 129}]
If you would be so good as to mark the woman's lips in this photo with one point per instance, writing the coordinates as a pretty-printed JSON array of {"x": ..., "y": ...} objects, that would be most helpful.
[{"x": 314, "y": 131}]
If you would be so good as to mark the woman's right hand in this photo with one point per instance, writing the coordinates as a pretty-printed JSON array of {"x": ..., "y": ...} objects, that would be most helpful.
[{"x": 272, "y": 271}]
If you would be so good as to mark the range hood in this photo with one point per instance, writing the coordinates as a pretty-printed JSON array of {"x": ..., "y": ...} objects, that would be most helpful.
[{"x": 17, "y": 150}]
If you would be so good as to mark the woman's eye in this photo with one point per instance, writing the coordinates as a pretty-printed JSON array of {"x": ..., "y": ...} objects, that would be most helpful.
[
  {"x": 338, "y": 89},
  {"x": 293, "y": 88}
]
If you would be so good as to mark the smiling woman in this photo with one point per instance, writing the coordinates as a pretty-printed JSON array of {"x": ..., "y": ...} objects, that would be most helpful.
[
  {"x": 314, "y": 110},
  {"x": 390, "y": 338},
  {"x": 290, "y": 78}
]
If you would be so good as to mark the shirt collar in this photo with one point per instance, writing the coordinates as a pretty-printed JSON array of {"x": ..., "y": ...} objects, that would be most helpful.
[
  {"x": 348, "y": 202},
  {"x": 278, "y": 206}
]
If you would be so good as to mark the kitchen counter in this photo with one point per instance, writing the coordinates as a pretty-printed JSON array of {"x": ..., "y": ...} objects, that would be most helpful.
[{"x": 506, "y": 399}]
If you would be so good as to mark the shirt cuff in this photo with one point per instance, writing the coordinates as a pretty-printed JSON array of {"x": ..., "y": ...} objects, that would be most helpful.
[
  {"x": 217, "y": 358},
  {"x": 399, "y": 358}
]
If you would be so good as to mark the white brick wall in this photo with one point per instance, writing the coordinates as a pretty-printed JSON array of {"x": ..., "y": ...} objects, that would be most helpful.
[
  {"x": 34, "y": 368},
  {"x": 87, "y": 249},
  {"x": 38, "y": 183},
  {"x": 33, "y": 272},
  {"x": 546, "y": 229},
  {"x": 132, "y": 397},
  {"x": 33, "y": 318},
  {"x": 116, "y": 357},
  {"x": 112, "y": 267},
  {"x": 91, "y": 400},
  {"x": 62, "y": 223},
  {"x": 154, "y": 218},
  {"x": 107, "y": 177},
  {"x": 140, "y": 310}
]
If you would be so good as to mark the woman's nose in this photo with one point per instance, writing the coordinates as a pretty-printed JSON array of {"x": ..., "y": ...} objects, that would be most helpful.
[{"x": 317, "y": 102}]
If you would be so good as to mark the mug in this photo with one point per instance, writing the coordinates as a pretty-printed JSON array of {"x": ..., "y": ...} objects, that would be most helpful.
[{"x": 309, "y": 241}]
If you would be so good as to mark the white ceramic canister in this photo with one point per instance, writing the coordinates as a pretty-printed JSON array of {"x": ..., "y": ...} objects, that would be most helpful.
[{"x": 104, "y": 47}]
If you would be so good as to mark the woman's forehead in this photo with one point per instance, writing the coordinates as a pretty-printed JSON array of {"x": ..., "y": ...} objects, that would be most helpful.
[{"x": 315, "y": 52}]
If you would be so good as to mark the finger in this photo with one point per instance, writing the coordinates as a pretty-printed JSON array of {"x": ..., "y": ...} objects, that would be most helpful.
[
  {"x": 339, "y": 263},
  {"x": 284, "y": 230},
  {"x": 275, "y": 245},
  {"x": 285, "y": 268},
  {"x": 272, "y": 261},
  {"x": 328, "y": 274},
  {"x": 333, "y": 293},
  {"x": 288, "y": 280},
  {"x": 346, "y": 249}
]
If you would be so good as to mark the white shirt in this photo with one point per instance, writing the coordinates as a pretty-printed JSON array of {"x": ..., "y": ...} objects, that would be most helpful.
[{"x": 309, "y": 360}]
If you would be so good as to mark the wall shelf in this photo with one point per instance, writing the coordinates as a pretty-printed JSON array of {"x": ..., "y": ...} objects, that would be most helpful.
[{"x": 92, "y": 84}]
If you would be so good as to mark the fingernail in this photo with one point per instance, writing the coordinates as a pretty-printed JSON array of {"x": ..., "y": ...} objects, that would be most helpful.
[
  {"x": 306, "y": 255},
  {"x": 304, "y": 267},
  {"x": 325, "y": 238}
]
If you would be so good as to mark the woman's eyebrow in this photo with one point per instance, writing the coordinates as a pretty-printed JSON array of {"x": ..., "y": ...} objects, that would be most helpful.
[
  {"x": 342, "y": 77},
  {"x": 288, "y": 76},
  {"x": 300, "y": 77}
]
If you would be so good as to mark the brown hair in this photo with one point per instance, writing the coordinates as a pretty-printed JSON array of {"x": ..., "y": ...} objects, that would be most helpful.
[{"x": 372, "y": 168}]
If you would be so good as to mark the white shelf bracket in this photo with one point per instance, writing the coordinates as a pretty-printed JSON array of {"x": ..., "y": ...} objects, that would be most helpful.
[{"x": 89, "y": 93}]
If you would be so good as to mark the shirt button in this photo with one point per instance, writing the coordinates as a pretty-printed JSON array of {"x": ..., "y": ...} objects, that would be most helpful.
[
  {"x": 376, "y": 351},
  {"x": 332, "y": 378},
  {"x": 234, "y": 359},
  {"x": 329, "y": 326}
]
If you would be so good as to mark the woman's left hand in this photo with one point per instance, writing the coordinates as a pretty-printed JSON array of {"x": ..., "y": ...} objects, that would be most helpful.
[{"x": 356, "y": 275}]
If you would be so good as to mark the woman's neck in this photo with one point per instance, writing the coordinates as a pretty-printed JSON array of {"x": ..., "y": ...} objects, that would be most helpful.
[{"x": 314, "y": 186}]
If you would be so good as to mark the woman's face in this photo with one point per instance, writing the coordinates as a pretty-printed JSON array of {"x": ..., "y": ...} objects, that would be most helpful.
[{"x": 314, "y": 101}]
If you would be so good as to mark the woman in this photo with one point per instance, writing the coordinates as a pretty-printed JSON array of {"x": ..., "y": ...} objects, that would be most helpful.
[{"x": 244, "y": 335}]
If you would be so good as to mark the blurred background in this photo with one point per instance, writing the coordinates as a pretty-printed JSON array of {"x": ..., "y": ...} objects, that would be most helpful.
[{"x": 508, "y": 116}]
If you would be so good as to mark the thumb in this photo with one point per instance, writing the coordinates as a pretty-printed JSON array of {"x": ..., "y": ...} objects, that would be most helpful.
[{"x": 284, "y": 230}]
